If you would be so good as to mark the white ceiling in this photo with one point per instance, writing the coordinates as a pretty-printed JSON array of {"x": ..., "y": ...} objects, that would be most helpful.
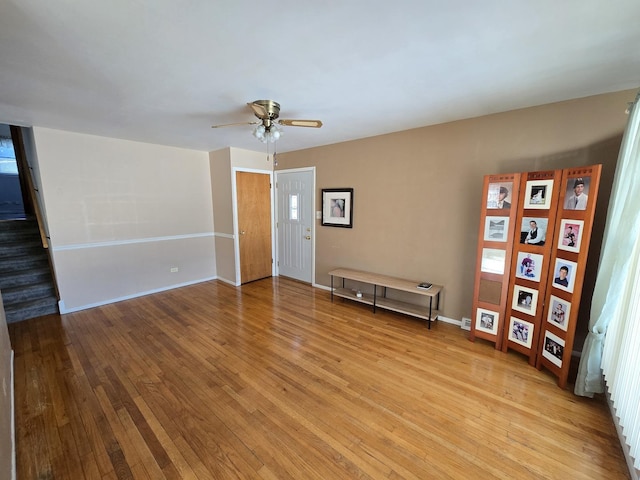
[{"x": 164, "y": 71}]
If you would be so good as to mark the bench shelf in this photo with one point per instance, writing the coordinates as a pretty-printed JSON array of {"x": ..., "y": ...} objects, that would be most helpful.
[{"x": 381, "y": 283}]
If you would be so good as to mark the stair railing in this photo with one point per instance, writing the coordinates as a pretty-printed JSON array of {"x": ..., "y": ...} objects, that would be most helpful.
[
  {"x": 31, "y": 195},
  {"x": 26, "y": 182}
]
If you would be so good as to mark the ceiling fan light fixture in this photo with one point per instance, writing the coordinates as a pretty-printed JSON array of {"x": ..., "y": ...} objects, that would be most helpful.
[{"x": 267, "y": 135}]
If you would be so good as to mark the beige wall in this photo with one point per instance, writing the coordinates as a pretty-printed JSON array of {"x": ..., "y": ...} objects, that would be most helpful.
[
  {"x": 222, "y": 198},
  {"x": 122, "y": 214},
  {"x": 223, "y": 165},
  {"x": 249, "y": 159},
  {"x": 417, "y": 192},
  {"x": 6, "y": 390}
]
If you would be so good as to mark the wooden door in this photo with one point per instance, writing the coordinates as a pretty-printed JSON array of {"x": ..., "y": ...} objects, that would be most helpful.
[{"x": 254, "y": 225}]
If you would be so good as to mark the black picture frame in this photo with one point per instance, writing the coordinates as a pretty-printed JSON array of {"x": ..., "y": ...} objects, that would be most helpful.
[{"x": 337, "y": 207}]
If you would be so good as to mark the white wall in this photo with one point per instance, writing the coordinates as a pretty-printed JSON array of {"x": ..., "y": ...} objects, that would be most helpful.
[{"x": 122, "y": 214}]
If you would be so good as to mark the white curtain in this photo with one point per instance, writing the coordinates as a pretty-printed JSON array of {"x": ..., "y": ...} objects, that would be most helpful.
[
  {"x": 611, "y": 348},
  {"x": 614, "y": 282}
]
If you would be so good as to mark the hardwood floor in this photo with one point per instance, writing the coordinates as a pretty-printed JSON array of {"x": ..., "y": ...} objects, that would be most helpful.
[{"x": 273, "y": 381}]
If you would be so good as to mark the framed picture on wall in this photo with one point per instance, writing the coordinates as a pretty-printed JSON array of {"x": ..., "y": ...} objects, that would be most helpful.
[
  {"x": 521, "y": 332},
  {"x": 564, "y": 274},
  {"x": 570, "y": 236},
  {"x": 525, "y": 300},
  {"x": 337, "y": 207},
  {"x": 538, "y": 194},
  {"x": 529, "y": 266},
  {"x": 577, "y": 193},
  {"x": 487, "y": 321},
  {"x": 499, "y": 195},
  {"x": 559, "y": 311},
  {"x": 496, "y": 229},
  {"x": 553, "y": 348}
]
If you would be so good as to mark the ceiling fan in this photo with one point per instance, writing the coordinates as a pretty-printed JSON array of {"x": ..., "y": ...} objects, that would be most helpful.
[{"x": 268, "y": 113}]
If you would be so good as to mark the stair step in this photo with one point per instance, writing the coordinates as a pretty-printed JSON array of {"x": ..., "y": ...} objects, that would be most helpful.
[
  {"x": 27, "y": 247},
  {"x": 19, "y": 228},
  {"x": 26, "y": 282},
  {"x": 31, "y": 309},
  {"x": 22, "y": 235},
  {"x": 8, "y": 265},
  {"x": 23, "y": 293},
  {"x": 19, "y": 224},
  {"x": 24, "y": 277}
]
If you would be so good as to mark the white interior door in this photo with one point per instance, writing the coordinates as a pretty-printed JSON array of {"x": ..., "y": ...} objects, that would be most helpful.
[{"x": 295, "y": 223}]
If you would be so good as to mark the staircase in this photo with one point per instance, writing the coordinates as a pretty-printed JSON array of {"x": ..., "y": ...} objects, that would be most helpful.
[{"x": 26, "y": 282}]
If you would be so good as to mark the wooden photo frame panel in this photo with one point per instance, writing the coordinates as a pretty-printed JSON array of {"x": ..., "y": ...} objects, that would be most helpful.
[
  {"x": 535, "y": 233},
  {"x": 568, "y": 262},
  {"x": 498, "y": 208}
]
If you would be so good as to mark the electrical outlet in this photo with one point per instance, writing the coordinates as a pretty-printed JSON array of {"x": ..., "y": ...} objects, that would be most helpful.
[
  {"x": 466, "y": 323},
  {"x": 174, "y": 269}
]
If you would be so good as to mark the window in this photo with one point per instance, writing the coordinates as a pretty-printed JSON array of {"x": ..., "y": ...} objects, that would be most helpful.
[{"x": 293, "y": 206}]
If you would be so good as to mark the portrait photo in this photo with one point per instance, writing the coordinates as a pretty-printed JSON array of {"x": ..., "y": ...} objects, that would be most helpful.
[
  {"x": 487, "y": 321},
  {"x": 493, "y": 260},
  {"x": 521, "y": 332},
  {"x": 564, "y": 274},
  {"x": 553, "y": 348},
  {"x": 570, "y": 236},
  {"x": 524, "y": 300},
  {"x": 529, "y": 266},
  {"x": 533, "y": 230},
  {"x": 337, "y": 207},
  {"x": 496, "y": 229},
  {"x": 499, "y": 195},
  {"x": 576, "y": 195},
  {"x": 538, "y": 194},
  {"x": 559, "y": 311}
]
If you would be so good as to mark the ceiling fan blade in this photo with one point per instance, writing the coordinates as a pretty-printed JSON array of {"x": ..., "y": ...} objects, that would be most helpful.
[
  {"x": 234, "y": 124},
  {"x": 301, "y": 123}
]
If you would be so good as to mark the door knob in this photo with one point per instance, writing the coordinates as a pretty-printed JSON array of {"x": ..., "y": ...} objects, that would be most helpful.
[
  {"x": 241, "y": 232},
  {"x": 308, "y": 237}
]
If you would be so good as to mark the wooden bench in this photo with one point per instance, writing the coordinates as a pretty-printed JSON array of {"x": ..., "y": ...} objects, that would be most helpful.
[{"x": 379, "y": 299}]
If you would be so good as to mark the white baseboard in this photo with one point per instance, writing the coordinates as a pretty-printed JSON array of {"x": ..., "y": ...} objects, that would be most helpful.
[
  {"x": 230, "y": 282},
  {"x": 449, "y": 320}
]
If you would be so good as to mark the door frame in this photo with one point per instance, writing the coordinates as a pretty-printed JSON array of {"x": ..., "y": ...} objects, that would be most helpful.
[
  {"x": 236, "y": 235},
  {"x": 313, "y": 223}
]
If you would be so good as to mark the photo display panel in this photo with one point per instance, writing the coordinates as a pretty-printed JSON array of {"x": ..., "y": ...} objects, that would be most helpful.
[
  {"x": 498, "y": 208},
  {"x": 535, "y": 218},
  {"x": 574, "y": 223}
]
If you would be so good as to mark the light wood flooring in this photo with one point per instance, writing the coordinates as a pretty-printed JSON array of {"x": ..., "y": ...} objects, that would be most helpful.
[{"x": 272, "y": 381}]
